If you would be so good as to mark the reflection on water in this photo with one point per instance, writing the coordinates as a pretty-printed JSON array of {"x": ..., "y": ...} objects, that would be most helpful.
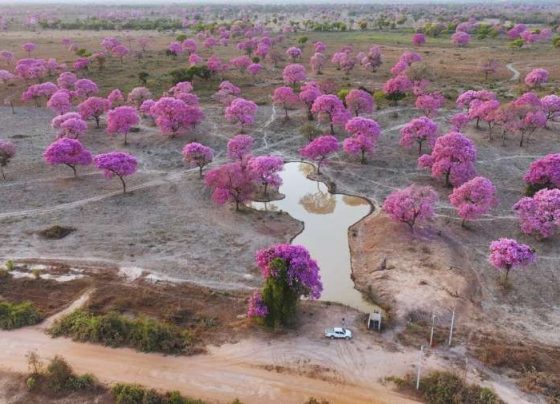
[{"x": 327, "y": 218}]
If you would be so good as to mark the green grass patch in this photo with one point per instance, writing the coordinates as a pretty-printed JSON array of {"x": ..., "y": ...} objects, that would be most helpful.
[
  {"x": 17, "y": 315},
  {"x": 116, "y": 330}
]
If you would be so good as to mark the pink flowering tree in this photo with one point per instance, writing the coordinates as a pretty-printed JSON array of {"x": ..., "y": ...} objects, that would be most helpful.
[
  {"x": 29, "y": 47},
  {"x": 239, "y": 148},
  {"x": 507, "y": 254},
  {"x": 452, "y": 157},
  {"x": 473, "y": 199},
  {"x": 539, "y": 214},
  {"x": 85, "y": 88},
  {"x": 198, "y": 155},
  {"x": 7, "y": 152},
  {"x": 294, "y": 74},
  {"x": 285, "y": 98},
  {"x": 461, "y": 39},
  {"x": 227, "y": 92},
  {"x": 174, "y": 116},
  {"x": 359, "y": 102},
  {"x": 430, "y": 103},
  {"x": 290, "y": 274},
  {"x": 307, "y": 95},
  {"x": 396, "y": 88},
  {"x": 459, "y": 121},
  {"x": 294, "y": 53},
  {"x": 364, "y": 136},
  {"x": 543, "y": 173},
  {"x": 551, "y": 106},
  {"x": 93, "y": 107},
  {"x": 241, "y": 111},
  {"x": 138, "y": 95},
  {"x": 536, "y": 78},
  {"x": 39, "y": 92},
  {"x": 69, "y": 125},
  {"x": 320, "y": 149},
  {"x": 419, "y": 130},
  {"x": 115, "y": 98},
  {"x": 327, "y": 107},
  {"x": 372, "y": 59},
  {"x": 418, "y": 39},
  {"x": 69, "y": 152},
  {"x": 265, "y": 170},
  {"x": 230, "y": 183},
  {"x": 117, "y": 164},
  {"x": 60, "y": 102},
  {"x": 146, "y": 108},
  {"x": 120, "y": 120},
  {"x": 317, "y": 62},
  {"x": 411, "y": 204}
]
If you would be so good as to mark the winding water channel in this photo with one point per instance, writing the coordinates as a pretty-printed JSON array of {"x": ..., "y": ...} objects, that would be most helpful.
[{"x": 326, "y": 218}]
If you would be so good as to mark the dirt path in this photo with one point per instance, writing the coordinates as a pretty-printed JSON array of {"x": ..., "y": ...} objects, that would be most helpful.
[
  {"x": 515, "y": 72},
  {"x": 222, "y": 375}
]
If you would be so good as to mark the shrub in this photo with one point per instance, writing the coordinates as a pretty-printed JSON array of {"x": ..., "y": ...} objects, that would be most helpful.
[
  {"x": 448, "y": 388},
  {"x": 310, "y": 131},
  {"x": 60, "y": 377},
  {"x": 187, "y": 74},
  {"x": 10, "y": 265},
  {"x": 113, "y": 329},
  {"x": 134, "y": 394},
  {"x": 16, "y": 315}
]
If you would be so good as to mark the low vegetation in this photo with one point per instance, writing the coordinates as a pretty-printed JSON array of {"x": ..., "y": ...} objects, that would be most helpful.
[
  {"x": 446, "y": 388},
  {"x": 116, "y": 330},
  {"x": 58, "y": 377},
  {"x": 17, "y": 315},
  {"x": 133, "y": 393}
]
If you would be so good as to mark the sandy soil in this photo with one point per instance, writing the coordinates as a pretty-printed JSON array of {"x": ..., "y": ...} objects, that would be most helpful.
[{"x": 290, "y": 368}]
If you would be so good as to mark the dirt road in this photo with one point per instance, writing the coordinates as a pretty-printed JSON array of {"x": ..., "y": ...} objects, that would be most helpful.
[{"x": 224, "y": 374}]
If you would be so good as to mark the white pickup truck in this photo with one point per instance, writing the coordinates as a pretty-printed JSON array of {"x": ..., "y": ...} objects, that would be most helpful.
[{"x": 338, "y": 333}]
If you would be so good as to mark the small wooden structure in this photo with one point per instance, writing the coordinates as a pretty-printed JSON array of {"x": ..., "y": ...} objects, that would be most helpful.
[{"x": 374, "y": 321}]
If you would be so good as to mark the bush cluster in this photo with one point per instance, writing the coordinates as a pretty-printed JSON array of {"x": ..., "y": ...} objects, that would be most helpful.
[
  {"x": 59, "y": 377},
  {"x": 115, "y": 330},
  {"x": 133, "y": 393},
  {"x": 17, "y": 315}
]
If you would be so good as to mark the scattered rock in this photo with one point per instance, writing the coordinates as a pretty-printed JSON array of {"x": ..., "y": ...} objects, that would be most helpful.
[{"x": 56, "y": 232}]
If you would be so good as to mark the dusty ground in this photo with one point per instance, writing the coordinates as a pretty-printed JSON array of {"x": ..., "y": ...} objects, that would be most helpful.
[{"x": 168, "y": 225}]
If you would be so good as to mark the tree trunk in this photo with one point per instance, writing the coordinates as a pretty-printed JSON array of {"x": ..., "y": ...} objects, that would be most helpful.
[
  {"x": 2, "y": 172},
  {"x": 420, "y": 148},
  {"x": 332, "y": 128},
  {"x": 125, "y": 138},
  {"x": 123, "y": 184},
  {"x": 200, "y": 171},
  {"x": 309, "y": 114},
  {"x": 73, "y": 167},
  {"x": 447, "y": 183},
  {"x": 97, "y": 122},
  {"x": 363, "y": 159}
]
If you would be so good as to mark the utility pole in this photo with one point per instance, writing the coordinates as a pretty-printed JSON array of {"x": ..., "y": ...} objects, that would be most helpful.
[
  {"x": 451, "y": 329},
  {"x": 432, "y": 332},
  {"x": 420, "y": 354}
]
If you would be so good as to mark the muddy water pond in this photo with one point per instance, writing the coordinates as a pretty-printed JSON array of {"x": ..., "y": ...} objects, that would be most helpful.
[{"x": 326, "y": 217}]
